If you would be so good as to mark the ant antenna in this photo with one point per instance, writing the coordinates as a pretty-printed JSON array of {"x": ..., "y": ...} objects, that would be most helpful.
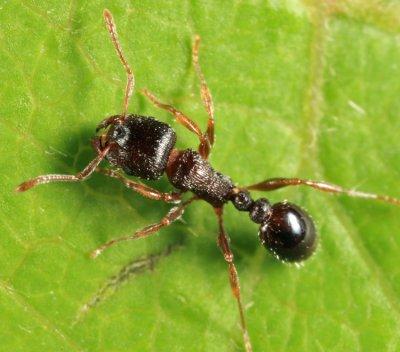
[{"x": 130, "y": 84}]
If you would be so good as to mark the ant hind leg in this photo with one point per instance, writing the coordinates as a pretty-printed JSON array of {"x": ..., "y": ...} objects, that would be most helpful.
[
  {"x": 272, "y": 184},
  {"x": 223, "y": 243}
]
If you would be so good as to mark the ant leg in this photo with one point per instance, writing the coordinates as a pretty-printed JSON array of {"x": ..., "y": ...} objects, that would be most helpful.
[
  {"x": 205, "y": 92},
  {"x": 276, "y": 183},
  {"x": 182, "y": 119},
  {"x": 81, "y": 176},
  {"x": 223, "y": 243},
  {"x": 130, "y": 84},
  {"x": 142, "y": 189},
  {"x": 174, "y": 214}
]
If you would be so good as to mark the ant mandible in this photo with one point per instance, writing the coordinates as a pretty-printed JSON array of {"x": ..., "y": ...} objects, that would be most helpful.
[{"x": 144, "y": 147}]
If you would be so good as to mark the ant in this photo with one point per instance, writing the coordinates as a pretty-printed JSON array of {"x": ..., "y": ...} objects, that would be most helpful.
[{"x": 143, "y": 147}]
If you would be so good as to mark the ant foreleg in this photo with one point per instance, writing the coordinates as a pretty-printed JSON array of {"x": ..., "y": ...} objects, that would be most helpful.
[
  {"x": 174, "y": 214},
  {"x": 223, "y": 243},
  {"x": 142, "y": 189},
  {"x": 205, "y": 92},
  {"x": 181, "y": 118},
  {"x": 81, "y": 176},
  {"x": 280, "y": 182},
  {"x": 130, "y": 84}
]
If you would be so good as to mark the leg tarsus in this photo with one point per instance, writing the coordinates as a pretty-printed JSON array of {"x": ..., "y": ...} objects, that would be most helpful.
[
  {"x": 223, "y": 243},
  {"x": 280, "y": 182}
]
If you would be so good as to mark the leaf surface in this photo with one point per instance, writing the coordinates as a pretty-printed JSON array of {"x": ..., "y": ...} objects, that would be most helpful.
[{"x": 307, "y": 89}]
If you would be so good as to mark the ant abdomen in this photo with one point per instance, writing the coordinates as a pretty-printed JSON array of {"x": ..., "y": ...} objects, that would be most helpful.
[{"x": 288, "y": 232}]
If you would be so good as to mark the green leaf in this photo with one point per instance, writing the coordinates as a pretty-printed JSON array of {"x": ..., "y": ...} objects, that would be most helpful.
[{"x": 307, "y": 89}]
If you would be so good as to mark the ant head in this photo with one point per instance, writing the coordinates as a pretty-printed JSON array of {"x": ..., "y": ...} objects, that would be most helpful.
[
  {"x": 288, "y": 232},
  {"x": 113, "y": 130}
]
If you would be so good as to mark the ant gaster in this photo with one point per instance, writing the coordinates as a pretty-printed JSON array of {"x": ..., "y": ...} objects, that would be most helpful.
[{"x": 143, "y": 147}]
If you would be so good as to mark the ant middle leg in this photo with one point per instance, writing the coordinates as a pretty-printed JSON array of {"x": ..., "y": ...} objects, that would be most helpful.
[
  {"x": 204, "y": 92},
  {"x": 80, "y": 176},
  {"x": 174, "y": 214},
  {"x": 181, "y": 118},
  {"x": 145, "y": 191},
  {"x": 130, "y": 84},
  {"x": 280, "y": 182},
  {"x": 223, "y": 243}
]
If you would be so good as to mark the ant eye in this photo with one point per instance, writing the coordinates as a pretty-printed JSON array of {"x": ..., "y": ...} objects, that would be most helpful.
[
  {"x": 120, "y": 134},
  {"x": 288, "y": 233}
]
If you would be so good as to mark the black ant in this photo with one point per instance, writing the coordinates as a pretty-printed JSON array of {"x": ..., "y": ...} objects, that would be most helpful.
[{"x": 144, "y": 147}]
